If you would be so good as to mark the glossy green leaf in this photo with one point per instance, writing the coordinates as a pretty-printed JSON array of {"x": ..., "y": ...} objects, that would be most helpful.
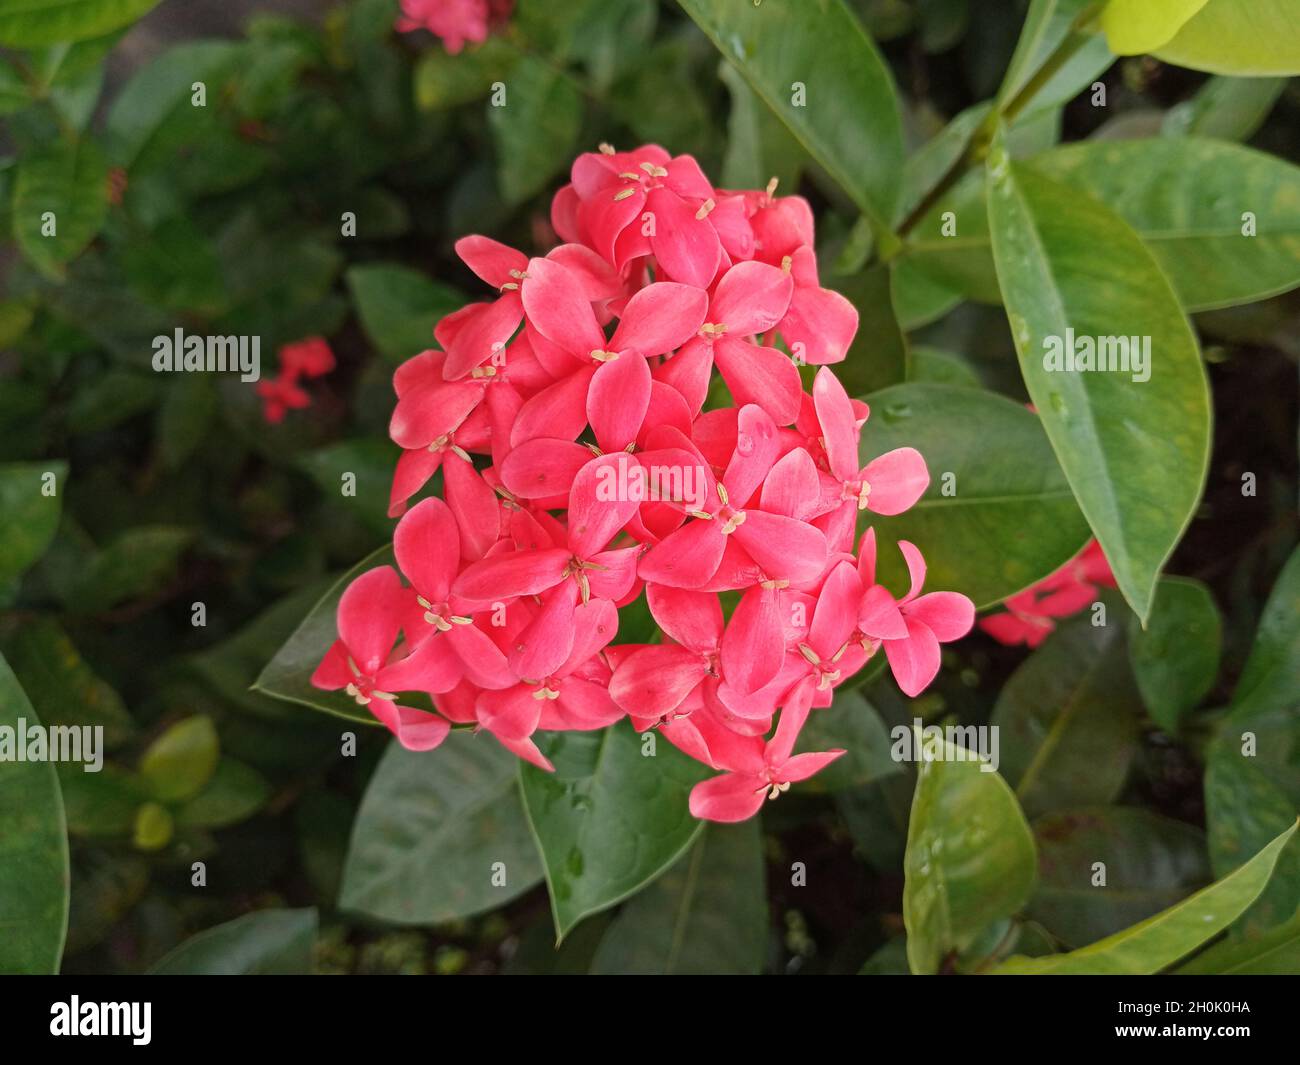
[
  {"x": 1242, "y": 39},
  {"x": 440, "y": 835},
  {"x": 970, "y": 857},
  {"x": 759, "y": 146},
  {"x": 265, "y": 943},
  {"x": 232, "y": 794},
  {"x": 1161, "y": 940},
  {"x": 1274, "y": 953},
  {"x": 1192, "y": 200},
  {"x": 181, "y": 761},
  {"x": 610, "y": 819},
  {"x": 707, "y": 915},
  {"x": 60, "y": 200},
  {"x": 399, "y": 307},
  {"x": 1189, "y": 198},
  {"x": 31, "y": 23},
  {"x": 1150, "y": 863},
  {"x": 28, "y": 516},
  {"x": 1068, "y": 717},
  {"x": 1134, "y": 451},
  {"x": 1176, "y": 657},
  {"x": 1136, "y": 26},
  {"x": 34, "y": 874},
  {"x": 998, "y": 514},
  {"x": 536, "y": 129},
  {"x": 811, "y": 63},
  {"x": 288, "y": 674}
]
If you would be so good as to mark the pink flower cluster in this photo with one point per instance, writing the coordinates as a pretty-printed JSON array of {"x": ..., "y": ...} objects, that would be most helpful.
[
  {"x": 306, "y": 358},
  {"x": 454, "y": 21},
  {"x": 1031, "y": 615},
  {"x": 589, "y": 457}
]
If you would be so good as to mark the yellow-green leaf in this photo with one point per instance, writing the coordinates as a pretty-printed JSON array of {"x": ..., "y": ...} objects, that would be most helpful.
[
  {"x": 1161, "y": 940},
  {"x": 1137, "y": 26}
]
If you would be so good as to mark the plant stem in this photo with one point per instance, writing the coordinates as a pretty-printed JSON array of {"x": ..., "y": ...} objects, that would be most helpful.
[{"x": 1003, "y": 113}]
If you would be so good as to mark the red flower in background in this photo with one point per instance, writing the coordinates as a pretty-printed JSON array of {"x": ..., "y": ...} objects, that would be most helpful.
[
  {"x": 310, "y": 357},
  {"x": 1031, "y": 615},
  {"x": 456, "y": 22}
]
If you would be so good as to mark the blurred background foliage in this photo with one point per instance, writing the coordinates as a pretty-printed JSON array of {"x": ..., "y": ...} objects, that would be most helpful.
[{"x": 227, "y": 219}]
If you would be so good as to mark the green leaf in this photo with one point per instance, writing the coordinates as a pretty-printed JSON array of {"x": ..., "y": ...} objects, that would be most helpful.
[
  {"x": 1004, "y": 519},
  {"x": 1176, "y": 657},
  {"x": 1187, "y": 198},
  {"x": 1150, "y": 861},
  {"x": 853, "y": 725},
  {"x": 1229, "y": 37},
  {"x": 399, "y": 307},
  {"x": 759, "y": 146},
  {"x": 1275, "y": 953},
  {"x": 1230, "y": 109},
  {"x": 430, "y": 833},
  {"x": 442, "y": 81},
  {"x": 1049, "y": 25},
  {"x": 154, "y": 116},
  {"x": 1271, "y": 679},
  {"x": 288, "y": 675},
  {"x": 935, "y": 367},
  {"x": 1137, "y": 26},
  {"x": 1135, "y": 452},
  {"x": 1161, "y": 940},
  {"x": 153, "y": 827},
  {"x": 846, "y": 115},
  {"x": 706, "y": 916},
  {"x": 34, "y": 875},
  {"x": 135, "y": 564},
  {"x": 877, "y": 357},
  {"x": 371, "y": 462},
  {"x": 232, "y": 794},
  {"x": 1244, "y": 809},
  {"x": 31, "y": 23},
  {"x": 181, "y": 761},
  {"x": 60, "y": 200},
  {"x": 970, "y": 856},
  {"x": 28, "y": 516},
  {"x": 61, "y": 684},
  {"x": 268, "y": 942},
  {"x": 1068, "y": 718},
  {"x": 610, "y": 818},
  {"x": 535, "y": 130},
  {"x": 102, "y": 804}
]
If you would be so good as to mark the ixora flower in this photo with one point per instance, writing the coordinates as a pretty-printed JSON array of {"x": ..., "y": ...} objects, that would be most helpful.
[
  {"x": 587, "y": 461},
  {"x": 1031, "y": 615},
  {"x": 455, "y": 21}
]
